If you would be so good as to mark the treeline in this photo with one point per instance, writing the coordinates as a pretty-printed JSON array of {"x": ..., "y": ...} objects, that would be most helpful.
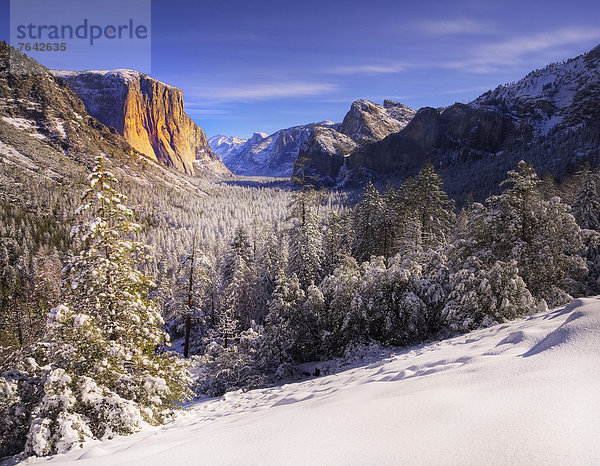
[{"x": 400, "y": 268}]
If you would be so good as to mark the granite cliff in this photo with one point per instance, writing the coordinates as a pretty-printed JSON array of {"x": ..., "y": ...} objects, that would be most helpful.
[{"x": 149, "y": 114}]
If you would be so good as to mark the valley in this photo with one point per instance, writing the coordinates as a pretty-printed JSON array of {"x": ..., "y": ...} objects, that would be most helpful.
[{"x": 320, "y": 293}]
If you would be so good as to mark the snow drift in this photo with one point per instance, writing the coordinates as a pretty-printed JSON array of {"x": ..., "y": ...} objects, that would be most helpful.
[{"x": 525, "y": 392}]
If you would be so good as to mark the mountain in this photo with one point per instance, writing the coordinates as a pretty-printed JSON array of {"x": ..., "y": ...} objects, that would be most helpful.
[
  {"x": 275, "y": 155},
  {"x": 222, "y": 145},
  {"x": 521, "y": 392},
  {"x": 368, "y": 122},
  {"x": 48, "y": 140},
  {"x": 269, "y": 155},
  {"x": 550, "y": 118},
  {"x": 150, "y": 116},
  {"x": 323, "y": 155}
]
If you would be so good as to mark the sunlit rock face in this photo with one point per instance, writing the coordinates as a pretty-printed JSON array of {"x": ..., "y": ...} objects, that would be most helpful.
[{"x": 149, "y": 114}]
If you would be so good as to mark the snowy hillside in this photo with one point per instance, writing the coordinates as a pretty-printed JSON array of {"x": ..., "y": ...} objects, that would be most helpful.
[
  {"x": 550, "y": 96},
  {"x": 525, "y": 392}
]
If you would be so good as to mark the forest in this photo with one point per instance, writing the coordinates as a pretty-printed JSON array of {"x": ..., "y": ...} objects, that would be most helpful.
[{"x": 106, "y": 310}]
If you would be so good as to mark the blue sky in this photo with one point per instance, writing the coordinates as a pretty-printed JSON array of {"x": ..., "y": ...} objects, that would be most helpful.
[{"x": 265, "y": 65}]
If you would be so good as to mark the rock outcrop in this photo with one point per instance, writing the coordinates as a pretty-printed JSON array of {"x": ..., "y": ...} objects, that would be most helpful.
[
  {"x": 436, "y": 135},
  {"x": 367, "y": 121},
  {"x": 149, "y": 114},
  {"x": 323, "y": 155}
]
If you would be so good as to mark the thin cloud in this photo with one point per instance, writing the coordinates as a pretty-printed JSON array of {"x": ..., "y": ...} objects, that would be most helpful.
[
  {"x": 369, "y": 68},
  {"x": 491, "y": 57},
  {"x": 269, "y": 91},
  {"x": 444, "y": 27}
]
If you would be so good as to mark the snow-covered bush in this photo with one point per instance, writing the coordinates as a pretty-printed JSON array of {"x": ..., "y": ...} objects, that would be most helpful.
[
  {"x": 482, "y": 296},
  {"x": 230, "y": 368}
]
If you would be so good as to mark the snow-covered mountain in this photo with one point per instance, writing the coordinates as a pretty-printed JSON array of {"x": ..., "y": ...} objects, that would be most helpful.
[
  {"x": 276, "y": 154},
  {"x": 222, "y": 145},
  {"x": 561, "y": 93},
  {"x": 524, "y": 392},
  {"x": 550, "y": 118}
]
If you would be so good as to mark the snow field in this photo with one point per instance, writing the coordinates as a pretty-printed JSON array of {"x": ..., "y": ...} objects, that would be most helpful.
[{"x": 525, "y": 392}]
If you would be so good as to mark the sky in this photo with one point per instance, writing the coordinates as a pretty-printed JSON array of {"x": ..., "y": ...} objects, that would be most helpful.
[{"x": 265, "y": 65}]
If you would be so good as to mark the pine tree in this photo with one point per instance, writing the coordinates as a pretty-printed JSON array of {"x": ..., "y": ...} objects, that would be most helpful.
[
  {"x": 104, "y": 374},
  {"x": 482, "y": 295},
  {"x": 540, "y": 236},
  {"x": 186, "y": 305},
  {"x": 282, "y": 330},
  {"x": 586, "y": 206},
  {"x": 435, "y": 209},
  {"x": 368, "y": 220},
  {"x": 239, "y": 280},
  {"x": 305, "y": 240}
]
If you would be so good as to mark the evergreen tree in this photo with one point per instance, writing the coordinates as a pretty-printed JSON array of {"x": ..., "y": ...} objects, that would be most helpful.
[
  {"x": 305, "y": 240},
  {"x": 435, "y": 209},
  {"x": 540, "y": 236},
  {"x": 368, "y": 222},
  {"x": 586, "y": 206},
  {"x": 186, "y": 307},
  {"x": 103, "y": 373},
  {"x": 239, "y": 281},
  {"x": 282, "y": 331}
]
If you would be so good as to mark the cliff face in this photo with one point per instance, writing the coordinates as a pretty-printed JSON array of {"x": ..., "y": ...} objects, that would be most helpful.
[
  {"x": 368, "y": 122},
  {"x": 150, "y": 116},
  {"x": 322, "y": 156},
  {"x": 459, "y": 130},
  {"x": 328, "y": 149}
]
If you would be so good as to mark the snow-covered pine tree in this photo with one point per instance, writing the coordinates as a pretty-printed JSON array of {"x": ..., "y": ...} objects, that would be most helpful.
[
  {"x": 281, "y": 325},
  {"x": 409, "y": 227},
  {"x": 270, "y": 261},
  {"x": 186, "y": 306},
  {"x": 389, "y": 222},
  {"x": 337, "y": 240},
  {"x": 102, "y": 371},
  {"x": 305, "y": 239},
  {"x": 435, "y": 209},
  {"x": 586, "y": 206},
  {"x": 482, "y": 295},
  {"x": 368, "y": 220},
  {"x": 540, "y": 236},
  {"x": 239, "y": 281}
]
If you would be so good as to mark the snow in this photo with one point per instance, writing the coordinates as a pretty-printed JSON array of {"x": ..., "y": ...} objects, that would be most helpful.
[
  {"x": 125, "y": 75},
  {"x": 26, "y": 125},
  {"x": 524, "y": 392},
  {"x": 555, "y": 87},
  {"x": 8, "y": 154}
]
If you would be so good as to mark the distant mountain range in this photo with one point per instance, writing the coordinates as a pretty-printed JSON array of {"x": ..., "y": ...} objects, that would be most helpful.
[
  {"x": 550, "y": 118},
  {"x": 276, "y": 154}
]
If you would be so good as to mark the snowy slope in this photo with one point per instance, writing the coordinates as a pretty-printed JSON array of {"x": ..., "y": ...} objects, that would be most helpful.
[
  {"x": 545, "y": 98},
  {"x": 525, "y": 392}
]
